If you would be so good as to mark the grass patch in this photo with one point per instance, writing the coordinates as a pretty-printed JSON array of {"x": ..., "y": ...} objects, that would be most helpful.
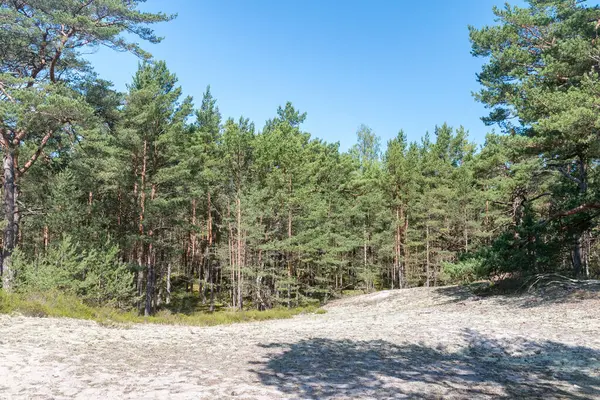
[
  {"x": 44, "y": 305},
  {"x": 352, "y": 292},
  {"x": 226, "y": 317},
  {"x": 64, "y": 306}
]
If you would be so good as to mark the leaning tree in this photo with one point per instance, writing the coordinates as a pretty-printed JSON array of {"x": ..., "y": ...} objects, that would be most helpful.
[{"x": 42, "y": 65}]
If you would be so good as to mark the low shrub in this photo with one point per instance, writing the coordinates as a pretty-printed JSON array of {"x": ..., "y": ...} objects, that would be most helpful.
[
  {"x": 464, "y": 271},
  {"x": 95, "y": 276}
]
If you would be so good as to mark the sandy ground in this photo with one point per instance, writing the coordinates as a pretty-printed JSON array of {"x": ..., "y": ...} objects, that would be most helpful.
[{"x": 418, "y": 343}]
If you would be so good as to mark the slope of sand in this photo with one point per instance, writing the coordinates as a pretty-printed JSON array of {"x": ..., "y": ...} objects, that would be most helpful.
[{"x": 417, "y": 343}]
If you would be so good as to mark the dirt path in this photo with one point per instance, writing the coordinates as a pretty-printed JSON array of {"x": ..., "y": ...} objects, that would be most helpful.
[{"x": 418, "y": 343}]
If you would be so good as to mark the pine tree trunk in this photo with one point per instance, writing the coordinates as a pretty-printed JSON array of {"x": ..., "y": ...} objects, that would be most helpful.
[
  {"x": 402, "y": 236},
  {"x": 210, "y": 268},
  {"x": 120, "y": 207},
  {"x": 466, "y": 227},
  {"x": 212, "y": 288},
  {"x": 143, "y": 190},
  {"x": 9, "y": 217},
  {"x": 46, "y": 238},
  {"x": 141, "y": 246},
  {"x": 187, "y": 264},
  {"x": 239, "y": 252},
  {"x": 427, "y": 265},
  {"x": 17, "y": 224},
  {"x": 202, "y": 262},
  {"x": 579, "y": 257},
  {"x": 588, "y": 252},
  {"x": 395, "y": 261},
  {"x": 140, "y": 280},
  {"x": 487, "y": 240},
  {"x": 367, "y": 277},
  {"x": 150, "y": 267},
  {"x": 158, "y": 288},
  {"x": 89, "y": 203},
  {"x": 168, "y": 299},
  {"x": 192, "y": 255},
  {"x": 149, "y": 282},
  {"x": 230, "y": 245},
  {"x": 289, "y": 253},
  {"x": 406, "y": 253}
]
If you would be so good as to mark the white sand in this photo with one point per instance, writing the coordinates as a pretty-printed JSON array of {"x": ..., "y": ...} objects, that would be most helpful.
[{"x": 417, "y": 343}]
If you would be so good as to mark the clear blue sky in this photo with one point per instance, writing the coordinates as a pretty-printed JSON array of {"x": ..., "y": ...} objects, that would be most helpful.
[{"x": 388, "y": 64}]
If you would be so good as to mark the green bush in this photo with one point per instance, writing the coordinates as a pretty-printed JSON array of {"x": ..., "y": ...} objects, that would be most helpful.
[
  {"x": 98, "y": 277},
  {"x": 464, "y": 271}
]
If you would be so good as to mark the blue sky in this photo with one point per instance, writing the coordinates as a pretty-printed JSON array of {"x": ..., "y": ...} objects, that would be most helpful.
[{"x": 388, "y": 64}]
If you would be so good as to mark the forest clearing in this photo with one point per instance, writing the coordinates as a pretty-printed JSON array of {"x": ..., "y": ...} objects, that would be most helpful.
[
  {"x": 190, "y": 192},
  {"x": 416, "y": 343}
]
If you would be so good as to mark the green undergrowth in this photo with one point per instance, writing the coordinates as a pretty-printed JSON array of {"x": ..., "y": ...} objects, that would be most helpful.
[
  {"x": 352, "y": 292},
  {"x": 59, "y": 305}
]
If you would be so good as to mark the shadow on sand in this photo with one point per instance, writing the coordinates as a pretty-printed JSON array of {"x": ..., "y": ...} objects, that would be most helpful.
[
  {"x": 548, "y": 292},
  {"x": 483, "y": 368}
]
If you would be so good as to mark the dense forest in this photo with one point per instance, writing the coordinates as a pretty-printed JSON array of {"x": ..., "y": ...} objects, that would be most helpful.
[{"x": 124, "y": 198}]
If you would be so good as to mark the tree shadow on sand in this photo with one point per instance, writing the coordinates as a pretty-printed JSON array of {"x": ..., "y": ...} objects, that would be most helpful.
[
  {"x": 552, "y": 292},
  {"x": 483, "y": 368}
]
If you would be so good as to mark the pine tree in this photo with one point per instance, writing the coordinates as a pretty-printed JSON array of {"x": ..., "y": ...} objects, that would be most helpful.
[
  {"x": 543, "y": 69},
  {"x": 153, "y": 123},
  {"x": 40, "y": 101}
]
